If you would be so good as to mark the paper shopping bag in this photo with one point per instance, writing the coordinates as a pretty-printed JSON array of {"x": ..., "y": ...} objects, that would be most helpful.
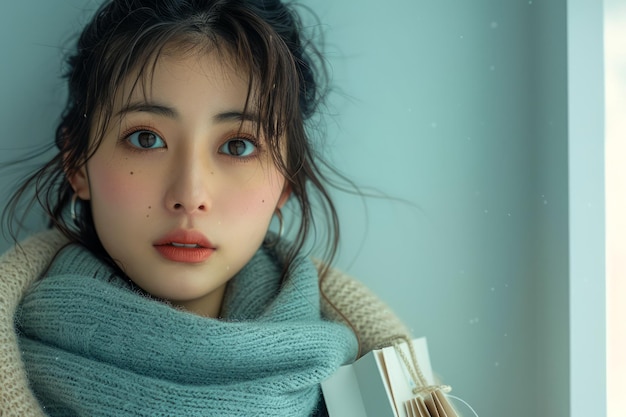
[{"x": 383, "y": 384}]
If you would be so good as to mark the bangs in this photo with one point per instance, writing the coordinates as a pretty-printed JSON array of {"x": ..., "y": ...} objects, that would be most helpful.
[{"x": 241, "y": 40}]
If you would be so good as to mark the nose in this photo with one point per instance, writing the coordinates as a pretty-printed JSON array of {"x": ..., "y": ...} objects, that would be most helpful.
[{"x": 189, "y": 191}]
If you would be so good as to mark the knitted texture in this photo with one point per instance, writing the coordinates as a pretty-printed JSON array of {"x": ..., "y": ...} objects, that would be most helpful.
[
  {"x": 94, "y": 347},
  {"x": 19, "y": 267},
  {"x": 366, "y": 314},
  {"x": 346, "y": 300}
]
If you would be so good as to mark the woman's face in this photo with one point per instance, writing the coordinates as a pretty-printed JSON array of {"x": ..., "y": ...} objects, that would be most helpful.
[{"x": 181, "y": 188}]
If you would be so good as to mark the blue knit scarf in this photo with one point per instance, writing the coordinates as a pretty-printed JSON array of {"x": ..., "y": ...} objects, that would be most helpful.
[{"x": 94, "y": 347}]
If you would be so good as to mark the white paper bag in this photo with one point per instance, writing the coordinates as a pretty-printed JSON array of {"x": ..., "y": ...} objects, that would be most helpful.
[{"x": 376, "y": 385}]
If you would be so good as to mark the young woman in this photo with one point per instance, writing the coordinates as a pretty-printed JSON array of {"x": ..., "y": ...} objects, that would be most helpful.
[{"x": 158, "y": 289}]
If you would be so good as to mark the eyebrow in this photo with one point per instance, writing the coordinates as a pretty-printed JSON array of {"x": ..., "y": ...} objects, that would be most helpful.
[
  {"x": 143, "y": 107},
  {"x": 172, "y": 113},
  {"x": 237, "y": 116}
]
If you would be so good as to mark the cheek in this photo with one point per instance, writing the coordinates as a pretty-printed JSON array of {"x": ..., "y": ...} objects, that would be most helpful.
[
  {"x": 254, "y": 205},
  {"x": 258, "y": 199},
  {"x": 113, "y": 186}
]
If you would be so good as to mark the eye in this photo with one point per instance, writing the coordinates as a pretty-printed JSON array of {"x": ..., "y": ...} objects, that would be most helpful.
[
  {"x": 145, "y": 139},
  {"x": 239, "y": 147}
]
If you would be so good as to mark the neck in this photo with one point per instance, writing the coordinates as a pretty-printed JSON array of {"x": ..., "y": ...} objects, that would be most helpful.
[{"x": 209, "y": 305}]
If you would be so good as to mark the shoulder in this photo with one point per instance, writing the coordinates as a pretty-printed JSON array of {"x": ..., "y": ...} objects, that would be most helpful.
[
  {"x": 20, "y": 267},
  {"x": 345, "y": 299},
  {"x": 26, "y": 261}
]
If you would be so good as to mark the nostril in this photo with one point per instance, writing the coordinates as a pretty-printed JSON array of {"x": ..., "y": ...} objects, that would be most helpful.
[{"x": 180, "y": 206}]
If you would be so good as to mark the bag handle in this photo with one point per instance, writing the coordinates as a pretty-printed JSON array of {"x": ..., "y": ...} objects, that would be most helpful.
[{"x": 421, "y": 385}]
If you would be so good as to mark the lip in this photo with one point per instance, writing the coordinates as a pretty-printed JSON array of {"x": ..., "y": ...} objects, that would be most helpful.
[{"x": 185, "y": 254}]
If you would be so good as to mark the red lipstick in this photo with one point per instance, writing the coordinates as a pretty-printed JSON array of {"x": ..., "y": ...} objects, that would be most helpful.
[{"x": 186, "y": 246}]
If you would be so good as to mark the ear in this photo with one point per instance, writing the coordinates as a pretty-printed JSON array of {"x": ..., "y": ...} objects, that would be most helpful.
[
  {"x": 284, "y": 196},
  {"x": 80, "y": 183},
  {"x": 79, "y": 180}
]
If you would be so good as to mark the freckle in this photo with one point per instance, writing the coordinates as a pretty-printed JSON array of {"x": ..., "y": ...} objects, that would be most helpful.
[
  {"x": 149, "y": 207},
  {"x": 262, "y": 201},
  {"x": 147, "y": 215},
  {"x": 211, "y": 172},
  {"x": 132, "y": 173}
]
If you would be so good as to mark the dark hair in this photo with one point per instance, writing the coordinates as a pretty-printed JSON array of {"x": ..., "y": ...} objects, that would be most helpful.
[{"x": 127, "y": 37}]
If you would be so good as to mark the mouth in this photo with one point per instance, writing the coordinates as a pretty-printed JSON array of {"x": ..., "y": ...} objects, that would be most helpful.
[{"x": 186, "y": 246}]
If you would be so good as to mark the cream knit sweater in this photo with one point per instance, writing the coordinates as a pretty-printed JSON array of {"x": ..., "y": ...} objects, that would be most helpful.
[{"x": 373, "y": 322}]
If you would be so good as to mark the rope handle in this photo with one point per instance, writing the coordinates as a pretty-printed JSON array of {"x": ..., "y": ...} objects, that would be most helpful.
[
  {"x": 415, "y": 372},
  {"x": 422, "y": 388}
]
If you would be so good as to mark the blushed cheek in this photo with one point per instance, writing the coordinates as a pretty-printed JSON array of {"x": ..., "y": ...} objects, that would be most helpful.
[
  {"x": 257, "y": 203},
  {"x": 119, "y": 188}
]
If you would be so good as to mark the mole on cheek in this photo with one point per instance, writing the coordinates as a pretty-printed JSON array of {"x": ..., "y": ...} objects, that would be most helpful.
[{"x": 132, "y": 173}]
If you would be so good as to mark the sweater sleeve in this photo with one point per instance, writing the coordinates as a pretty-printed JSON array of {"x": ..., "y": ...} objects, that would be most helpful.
[
  {"x": 19, "y": 268},
  {"x": 346, "y": 300}
]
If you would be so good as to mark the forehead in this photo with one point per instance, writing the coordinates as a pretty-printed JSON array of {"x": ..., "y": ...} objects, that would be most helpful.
[{"x": 175, "y": 72}]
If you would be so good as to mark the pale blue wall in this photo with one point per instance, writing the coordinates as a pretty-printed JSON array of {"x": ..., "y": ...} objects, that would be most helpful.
[
  {"x": 586, "y": 207},
  {"x": 459, "y": 108},
  {"x": 550, "y": 257},
  {"x": 32, "y": 38}
]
